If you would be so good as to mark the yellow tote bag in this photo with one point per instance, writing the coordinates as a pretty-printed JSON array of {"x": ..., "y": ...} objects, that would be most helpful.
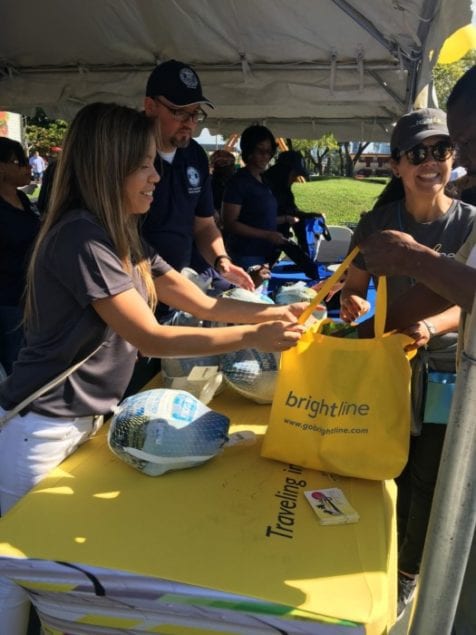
[{"x": 343, "y": 405}]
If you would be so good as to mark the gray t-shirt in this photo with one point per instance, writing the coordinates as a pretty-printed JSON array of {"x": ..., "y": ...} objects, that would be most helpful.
[
  {"x": 77, "y": 264},
  {"x": 446, "y": 235}
]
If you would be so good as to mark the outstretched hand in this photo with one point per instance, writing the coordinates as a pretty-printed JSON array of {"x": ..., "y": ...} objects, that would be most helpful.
[
  {"x": 236, "y": 275},
  {"x": 352, "y": 307},
  {"x": 277, "y": 336},
  {"x": 286, "y": 312}
]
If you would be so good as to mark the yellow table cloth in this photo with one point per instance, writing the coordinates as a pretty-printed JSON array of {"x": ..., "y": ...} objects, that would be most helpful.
[{"x": 221, "y": 526}]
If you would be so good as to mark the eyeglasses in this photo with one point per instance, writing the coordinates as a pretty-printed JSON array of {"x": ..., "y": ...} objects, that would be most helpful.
[
  {"x": 184, "y": 115},
  {"x": 440, "y": 151}
]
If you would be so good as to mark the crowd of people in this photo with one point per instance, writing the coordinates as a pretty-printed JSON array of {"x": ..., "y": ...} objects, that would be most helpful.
[{"x": 132, "y": 202}]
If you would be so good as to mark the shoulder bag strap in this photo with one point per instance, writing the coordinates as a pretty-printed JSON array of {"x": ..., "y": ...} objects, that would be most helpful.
[{"x": 41, "y": 391}]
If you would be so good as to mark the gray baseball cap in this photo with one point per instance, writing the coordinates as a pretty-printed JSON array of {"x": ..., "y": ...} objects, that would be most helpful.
[{"x": 415, "y": 126}]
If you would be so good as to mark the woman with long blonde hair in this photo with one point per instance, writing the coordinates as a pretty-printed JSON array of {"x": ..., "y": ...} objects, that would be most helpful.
[{"x": 92, "y": 287}]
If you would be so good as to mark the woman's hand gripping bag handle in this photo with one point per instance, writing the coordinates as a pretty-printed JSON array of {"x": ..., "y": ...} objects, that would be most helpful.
[{"x": 343, "y": 405}]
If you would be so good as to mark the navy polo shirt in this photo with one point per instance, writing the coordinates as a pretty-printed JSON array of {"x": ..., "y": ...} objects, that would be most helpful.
[
  {"x": 259, "y": 209},
  {"x": 18, "y": 230},
  {"x": 184, "y": 191}
]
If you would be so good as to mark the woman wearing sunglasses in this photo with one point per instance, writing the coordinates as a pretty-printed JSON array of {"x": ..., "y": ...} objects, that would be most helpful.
[
  {"x": 415, "y": 202},
  {"x": 19, "y": 225}
]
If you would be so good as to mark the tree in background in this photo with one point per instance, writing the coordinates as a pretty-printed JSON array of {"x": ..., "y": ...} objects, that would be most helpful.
[
  {"x": 328, "y": 156},
  {"x": 43, "y": 134},
  {"x": 315, "y": 151},
  {"x": 445, "y": 76},
  {"x": 349, "y": 160},
  {"x": 326, "y": 152}
]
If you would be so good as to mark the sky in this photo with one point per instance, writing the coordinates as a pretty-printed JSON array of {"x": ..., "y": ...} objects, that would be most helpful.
[{"x": 206, "y": 137}]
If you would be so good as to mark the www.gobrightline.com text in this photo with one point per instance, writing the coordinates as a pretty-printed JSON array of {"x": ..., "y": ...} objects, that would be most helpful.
[{"x": 312, "y": 427}]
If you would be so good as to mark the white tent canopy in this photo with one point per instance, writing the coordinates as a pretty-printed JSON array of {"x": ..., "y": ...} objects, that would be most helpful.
[{"x": 304, "y": 67}]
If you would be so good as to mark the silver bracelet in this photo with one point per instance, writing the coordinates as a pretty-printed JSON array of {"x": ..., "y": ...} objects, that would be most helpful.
[{"x": 430, "y": 326}]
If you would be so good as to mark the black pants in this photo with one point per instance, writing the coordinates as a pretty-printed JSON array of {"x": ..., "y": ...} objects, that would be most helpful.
[{"x": 416, "y": 485}]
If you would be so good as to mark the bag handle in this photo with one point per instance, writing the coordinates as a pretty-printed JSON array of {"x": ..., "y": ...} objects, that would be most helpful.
[
  {"x": 380, "y": 303},
  {"x": 41, "y": 391}
]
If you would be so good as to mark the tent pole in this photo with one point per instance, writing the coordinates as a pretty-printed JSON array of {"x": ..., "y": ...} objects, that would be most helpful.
[{"x": 453, "y": 515}]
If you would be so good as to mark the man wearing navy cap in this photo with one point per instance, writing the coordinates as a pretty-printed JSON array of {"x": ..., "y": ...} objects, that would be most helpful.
[{"x": 182, "y": 210}]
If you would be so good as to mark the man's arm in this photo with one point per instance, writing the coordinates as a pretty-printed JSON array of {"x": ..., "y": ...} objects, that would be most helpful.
[
  {"x": 448, "y": 281},
  {"x": 210, "y": 244},
  {"x": 208, "y": 238}
]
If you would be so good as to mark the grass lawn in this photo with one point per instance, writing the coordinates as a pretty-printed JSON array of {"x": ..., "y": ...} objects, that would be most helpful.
[
  {"x": 341, "y": 199},
  {"x": 33, "y": 195}
]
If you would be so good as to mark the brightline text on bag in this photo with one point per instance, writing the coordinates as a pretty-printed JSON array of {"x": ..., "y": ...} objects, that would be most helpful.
[{"x": 314, "y": 407}]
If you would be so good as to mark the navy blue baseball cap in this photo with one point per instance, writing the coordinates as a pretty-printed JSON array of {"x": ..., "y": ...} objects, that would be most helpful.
[{"x": 178, "y": 83}]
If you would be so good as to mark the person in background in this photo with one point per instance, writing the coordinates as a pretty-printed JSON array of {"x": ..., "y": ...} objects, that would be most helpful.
[
  {"x": 289, "y": 167},
  {"x": 441, "y": 282},
  {"x": 222, "y": 163},
  {"x": 38, "y": 166},
  {"x": 91, "y": 265},
  {"x": 19, "y": 225},
  {"x": 415, "y": 202},
  {"x": 466, "y": 188},
  {"x": 250, "y": 210},
  {"x": 47, "y": 181}
]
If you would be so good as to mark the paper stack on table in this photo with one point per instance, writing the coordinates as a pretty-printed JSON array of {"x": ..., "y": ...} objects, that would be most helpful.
[{"x": 331, "y": 506}]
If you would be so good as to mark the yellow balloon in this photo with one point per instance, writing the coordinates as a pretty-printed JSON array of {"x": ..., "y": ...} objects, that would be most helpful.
[{"x": 458, "y": 44}]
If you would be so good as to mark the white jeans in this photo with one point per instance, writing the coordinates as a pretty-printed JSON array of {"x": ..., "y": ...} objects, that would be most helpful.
[{"x": 30, "y": 447}]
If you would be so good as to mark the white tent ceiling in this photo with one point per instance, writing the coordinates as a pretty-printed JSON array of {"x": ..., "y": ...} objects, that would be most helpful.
[{"x": 304, "y": 67}]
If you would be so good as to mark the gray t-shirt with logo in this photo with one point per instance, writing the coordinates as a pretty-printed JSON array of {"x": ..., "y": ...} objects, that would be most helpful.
[{"x": 77, "y": 265}]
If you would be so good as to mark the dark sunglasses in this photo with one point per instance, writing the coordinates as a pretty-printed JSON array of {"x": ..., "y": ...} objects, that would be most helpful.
[{"x": 440, "y": 151}]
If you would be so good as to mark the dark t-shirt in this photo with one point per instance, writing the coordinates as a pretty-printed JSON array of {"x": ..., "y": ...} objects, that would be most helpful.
[
  {"x": 77, "y": 264},
  {"x": 277, "y": 177},
  {"x": 184, "y": 191},
  {"x": 258, "y": 209},
  {"x": 18, "y": 230}
]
